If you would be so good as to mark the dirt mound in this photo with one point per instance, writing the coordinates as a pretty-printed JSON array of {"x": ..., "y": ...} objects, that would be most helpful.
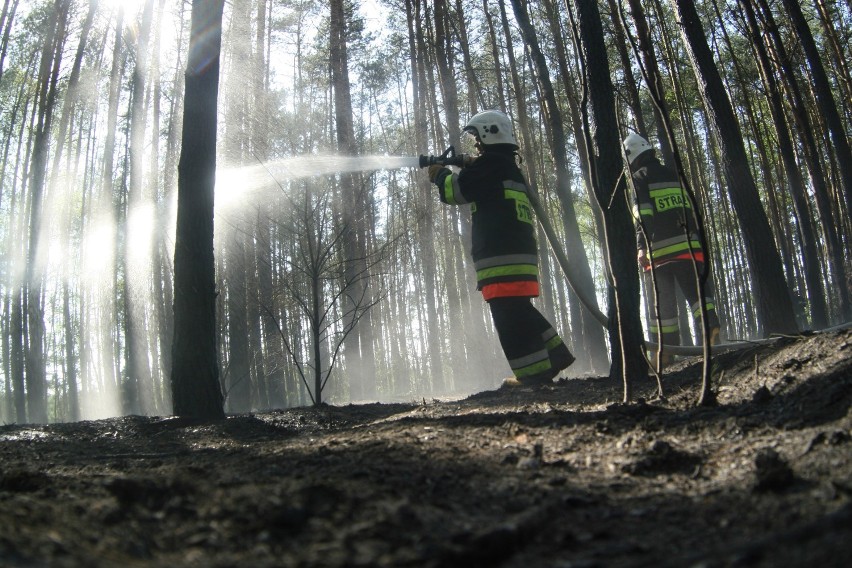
[{"x": 561, "y": 476}]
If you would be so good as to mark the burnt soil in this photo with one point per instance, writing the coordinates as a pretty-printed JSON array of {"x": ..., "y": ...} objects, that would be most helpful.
[{"x": 558, "y": 476}]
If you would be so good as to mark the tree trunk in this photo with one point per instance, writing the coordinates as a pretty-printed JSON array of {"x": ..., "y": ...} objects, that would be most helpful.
[
  {"x": 71, "y": 358},
  {"x": 137, "y": 391},
  {"x": 625, "y": 327},
  {"x": 51, "y": 58},
  {"x": 762, "y": 161},
  {"x": 829, "y": 217},
  {"x": 630, "y": 85},
  {"x": 15, "y": 243},
  {"x": 6, "y": 21},
  {"x": 107, "y": 211},
  {"x": 313, "y": 234},
  {"x": 569, "y": 84},
  {"x": 457, "y": 285},
  {"x": 839, "y": 58},
  {"x": 236, "y": 234},
  {"x": 359, "y": 348},
  {"x": 775, "y": 308},
  {"x": 8, "y": 408},
  {"x": 682, "y": 103},
  {"x": 495, "y": 55},
  {"x": 795, "y": 183},
  {"x": 71, "y": 94},
  {"x": 267, "y": 385},
  {"x": 423, "y": 202},
  {"x": 164, "y": 258},
  {"x": 239, "y": 384},
  {"x": 445, "y": 73},
  {"x": 474, "y": 89},
  {"x": 825, "y": 98},
  {"x": 16, "y": 325},
  {"x": 590, "y": 340},
  {"x": 195, "y": 373},
  {"x": 652, "y": 74},
  {"x": 154, "y": 195}
]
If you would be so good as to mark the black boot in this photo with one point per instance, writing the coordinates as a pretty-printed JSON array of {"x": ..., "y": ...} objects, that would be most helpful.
[{"x": 560, "y": 358}]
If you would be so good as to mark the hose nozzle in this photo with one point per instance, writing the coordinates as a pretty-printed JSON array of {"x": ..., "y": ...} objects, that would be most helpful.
[{"x": 448, "y": 158}]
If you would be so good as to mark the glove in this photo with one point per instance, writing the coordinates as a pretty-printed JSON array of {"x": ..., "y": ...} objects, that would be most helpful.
[
  {"x": 644, "y": 262},
  {"x": 433, "y": 171}
]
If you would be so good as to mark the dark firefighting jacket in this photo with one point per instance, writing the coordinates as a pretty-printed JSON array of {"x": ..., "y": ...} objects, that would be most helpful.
[
  {"x": 666, "y": 214},
  {"x": 503, "y": 249}
]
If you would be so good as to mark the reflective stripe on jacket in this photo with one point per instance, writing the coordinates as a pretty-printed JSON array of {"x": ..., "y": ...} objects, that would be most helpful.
[
  {"x": 665, "y": 210},
  {"x": 503, "y": 244}
]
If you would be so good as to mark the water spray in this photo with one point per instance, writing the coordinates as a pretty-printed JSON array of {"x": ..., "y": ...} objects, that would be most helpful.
[{"x": 236, "y": 184}]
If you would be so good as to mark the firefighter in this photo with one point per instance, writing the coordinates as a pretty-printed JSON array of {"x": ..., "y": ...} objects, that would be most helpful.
[
  {"x": 665, "y": 221},
  {"x": 504, "y": 250}
]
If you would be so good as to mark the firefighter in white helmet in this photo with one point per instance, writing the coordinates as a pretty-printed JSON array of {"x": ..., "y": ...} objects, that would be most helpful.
[
  {"x": 504, "y": 249},
  {"x": 667, "y": 235}
]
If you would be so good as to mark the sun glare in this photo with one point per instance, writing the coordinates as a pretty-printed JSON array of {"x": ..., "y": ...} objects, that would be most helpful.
[
  {"x": 130, "y": 6},
  {"x": 235, "y": 186},
  {"x": 169, "y": 20},
  {"x": 140, "y": 237},
  {"x": 98, "y": 252}
]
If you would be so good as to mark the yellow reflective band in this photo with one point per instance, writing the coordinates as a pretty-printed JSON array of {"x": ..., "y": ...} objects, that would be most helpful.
[
  {"x": 709, "y": 306},
  {"x": 665, "y": 328},
  {"x": 507, "y": 270},
  {"x": 506, "y": 259},
  {"x": 449, "y": 194},
  {"x": 554, "y": 342},
  {"x": 672, "y": 249},
  {"x": 452, "y": 191},
  {"x": 533, "y": 369}
]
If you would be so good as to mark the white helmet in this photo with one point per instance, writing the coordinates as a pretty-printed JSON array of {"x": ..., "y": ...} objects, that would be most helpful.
[
  {"x": 491, "y": 127},
  {"x": 635, "y": 146}
]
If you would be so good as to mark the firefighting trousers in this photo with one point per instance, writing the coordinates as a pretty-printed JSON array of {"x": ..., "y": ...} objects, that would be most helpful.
[
  {"x": 531, "y": 345},
  {"x": 663, "y": 313}
]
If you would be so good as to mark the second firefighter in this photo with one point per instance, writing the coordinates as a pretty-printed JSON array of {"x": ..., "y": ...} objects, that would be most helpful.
[{"x": 667, "y": 238}]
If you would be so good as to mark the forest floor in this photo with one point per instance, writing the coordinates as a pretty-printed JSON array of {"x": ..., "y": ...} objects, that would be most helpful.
[{"x": 558, "y": 476}]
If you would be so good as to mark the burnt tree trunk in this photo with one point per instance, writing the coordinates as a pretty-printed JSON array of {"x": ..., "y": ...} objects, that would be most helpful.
[
  {"x": 196, "y": 392},
  {"x": 591, "y": 339},
  {"x": 625, "y": 326}
]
